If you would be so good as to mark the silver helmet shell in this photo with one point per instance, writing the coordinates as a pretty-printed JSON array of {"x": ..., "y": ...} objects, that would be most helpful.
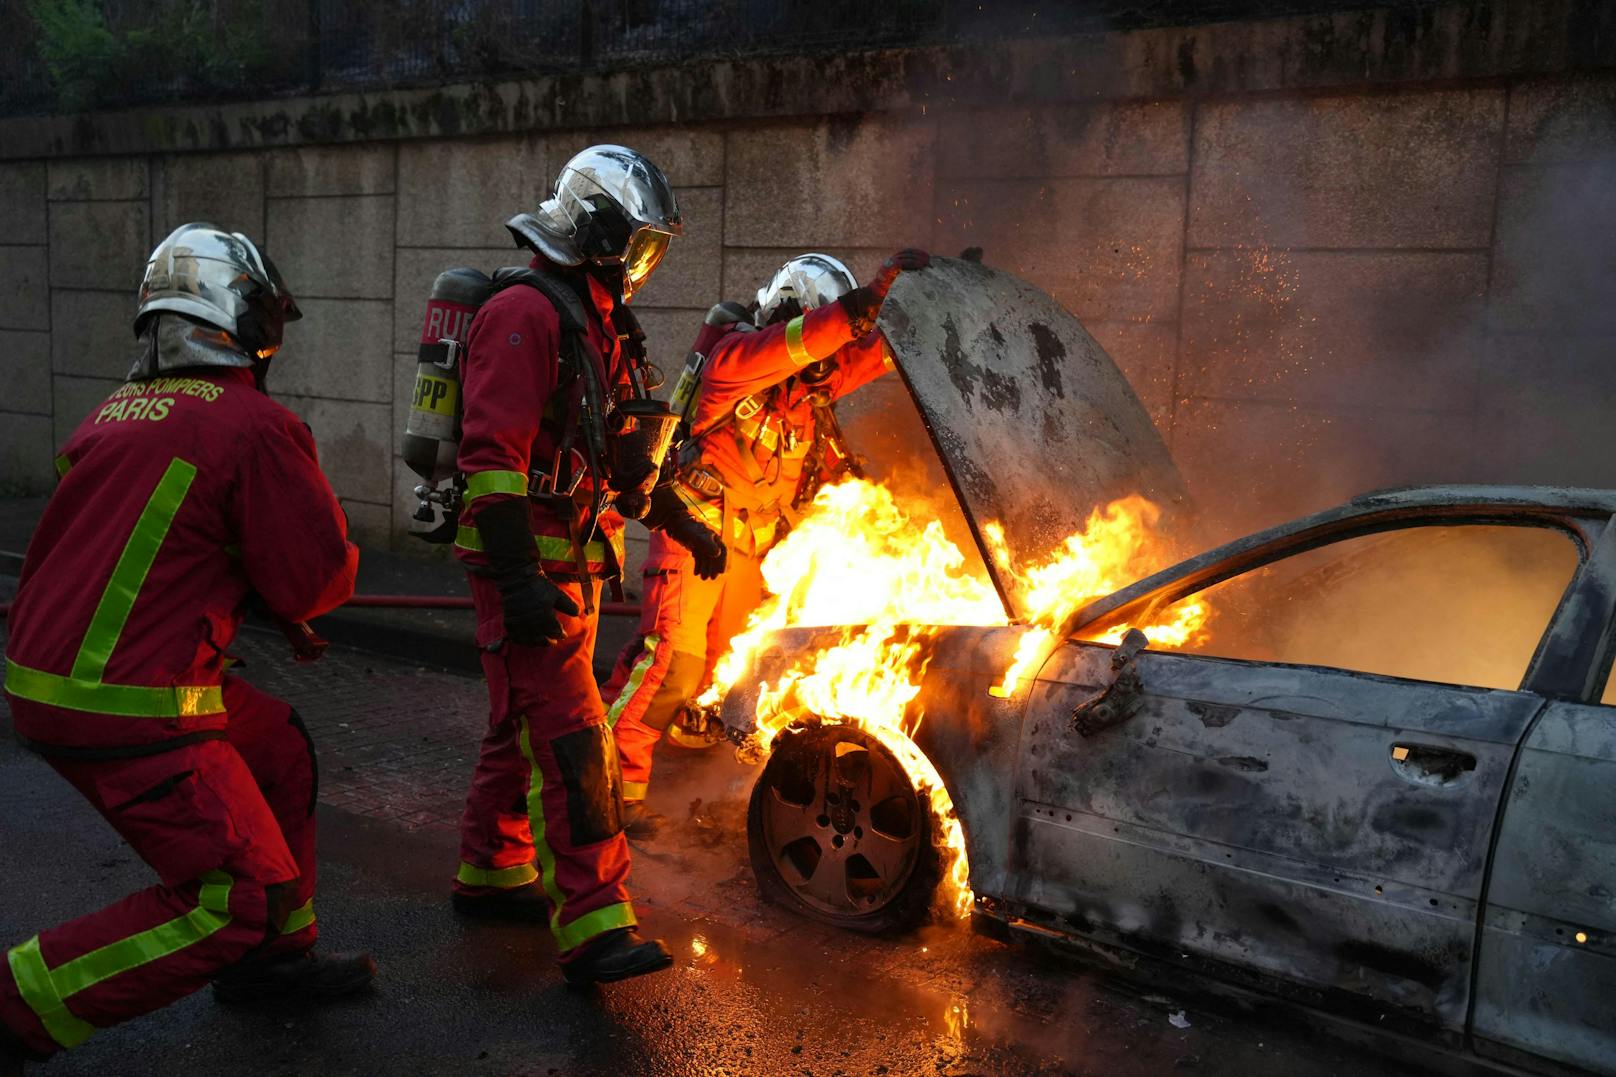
[
  {"x": 611, "y": 206},
  {"x": 805, "y": 282},
  {"x": 221, "y": 279}
]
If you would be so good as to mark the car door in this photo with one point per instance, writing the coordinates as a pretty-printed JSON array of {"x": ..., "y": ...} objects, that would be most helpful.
[{"x": 1321, "y": 832}]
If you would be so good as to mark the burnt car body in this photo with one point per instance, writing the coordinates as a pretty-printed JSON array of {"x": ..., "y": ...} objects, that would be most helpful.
[{"x": 1432, "y": 858}]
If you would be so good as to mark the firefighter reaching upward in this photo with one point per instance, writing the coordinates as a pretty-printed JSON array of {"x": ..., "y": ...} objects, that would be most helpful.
[
  {"x": 184, "y": 494},
  {"x": 759, "y": 433},
  {"x": 552, "y": 384}
]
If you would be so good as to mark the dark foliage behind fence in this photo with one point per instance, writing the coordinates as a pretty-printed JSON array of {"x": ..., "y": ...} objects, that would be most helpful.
[{"x": 67, "y": 55}]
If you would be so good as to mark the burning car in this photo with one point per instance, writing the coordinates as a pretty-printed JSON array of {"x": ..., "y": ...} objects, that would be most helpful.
[{"x": 1359, "y": 762}]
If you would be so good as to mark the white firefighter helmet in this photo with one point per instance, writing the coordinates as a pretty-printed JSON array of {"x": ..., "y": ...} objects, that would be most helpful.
[
  {"x": 611, "y": 207},
  {"x": 223, "y": 280},
  {"x": 805, "y": 282}
]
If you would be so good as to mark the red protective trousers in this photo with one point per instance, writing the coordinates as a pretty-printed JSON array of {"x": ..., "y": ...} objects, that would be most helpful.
[
  {"x": 228, "y": 826},
  {"x": 547, "y": 789},
  {"x": 686, "y": 624}
]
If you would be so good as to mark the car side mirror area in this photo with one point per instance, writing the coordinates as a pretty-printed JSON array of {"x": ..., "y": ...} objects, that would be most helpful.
[{"x": 1122, "y": 698}]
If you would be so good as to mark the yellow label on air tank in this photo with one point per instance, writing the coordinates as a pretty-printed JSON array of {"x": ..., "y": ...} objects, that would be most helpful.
[{"x": 437, "y": 395}]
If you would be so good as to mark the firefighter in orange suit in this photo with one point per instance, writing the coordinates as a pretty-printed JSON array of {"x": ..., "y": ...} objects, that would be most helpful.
[
  {"x": 757, "y": 441},
  {"x": 183, "y": 494},
  {"x": 547, "y": 360}
]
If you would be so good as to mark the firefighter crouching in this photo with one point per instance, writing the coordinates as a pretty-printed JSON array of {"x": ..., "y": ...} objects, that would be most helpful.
[
  {"x": 760, "y": 436},
  {"x": 184, "y": 494},
  {"x": 548, "y": 356}
]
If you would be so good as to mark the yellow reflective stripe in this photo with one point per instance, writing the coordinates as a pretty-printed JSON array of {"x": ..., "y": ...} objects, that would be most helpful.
[
  {"x": 211, "y": 914},
  {"x": 125, "y": 700},
  {"x": 129, "y": 575},
  {"x": 550, "y": 547},
  {"x": 46, "y": 991},
  {"x": 635, "y": 678},
  {"x": 635, "y": 790},
  {"x": 300, "y": 918},
  {"x": 799, "y": 354},
  {"x": 535, "y": 818},
  {"x": 34, "y": 984},
  {"x": 597, "y": 922},
  {"x": 501, "y": 878},
  {"x": 495, "y": 482},
  {"x": 63, "y": 465}
]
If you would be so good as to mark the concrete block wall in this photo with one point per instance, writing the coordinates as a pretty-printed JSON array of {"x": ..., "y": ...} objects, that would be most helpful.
[{"x": 1313, "y": 293}]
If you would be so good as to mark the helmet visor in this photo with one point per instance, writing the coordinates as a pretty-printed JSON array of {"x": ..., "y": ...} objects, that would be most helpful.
[{"x": 645, "y": 250}]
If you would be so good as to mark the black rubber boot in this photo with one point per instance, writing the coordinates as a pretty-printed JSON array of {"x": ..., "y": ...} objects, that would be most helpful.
[
  {"x": 640, "y": 822},
  {"x": 519, "y": 904},
  {"x": 616, "y": 955},
  {"x": 307, "y": 975}
]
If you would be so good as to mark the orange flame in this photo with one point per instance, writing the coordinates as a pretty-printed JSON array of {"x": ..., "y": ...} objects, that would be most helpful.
[{"x": 858, "y": 558}]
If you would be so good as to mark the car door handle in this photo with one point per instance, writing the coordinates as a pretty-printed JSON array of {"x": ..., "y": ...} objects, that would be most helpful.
[
  {"x": 1425, "y": 764},
  {"x": 1122, "y": 698}
]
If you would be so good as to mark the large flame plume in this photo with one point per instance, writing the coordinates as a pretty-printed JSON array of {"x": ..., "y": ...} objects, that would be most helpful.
[{"x": 860, "y": 559}]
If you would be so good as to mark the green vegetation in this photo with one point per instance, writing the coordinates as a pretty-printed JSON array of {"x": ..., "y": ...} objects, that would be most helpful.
[{"x": 180, "y": 46}]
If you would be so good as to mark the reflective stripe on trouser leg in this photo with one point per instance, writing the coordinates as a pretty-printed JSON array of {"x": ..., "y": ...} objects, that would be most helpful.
[
  {"x": 569, "y": 932},
  {"x": 637, "y": 680},
  {"x": 47, "y": 990}
]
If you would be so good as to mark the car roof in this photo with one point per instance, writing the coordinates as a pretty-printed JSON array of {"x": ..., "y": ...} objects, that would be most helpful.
[{"x": 1374, "y": 511}]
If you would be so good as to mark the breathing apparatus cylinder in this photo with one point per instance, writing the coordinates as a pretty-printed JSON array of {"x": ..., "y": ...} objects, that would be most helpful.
[{"x": 432, "y": 432}]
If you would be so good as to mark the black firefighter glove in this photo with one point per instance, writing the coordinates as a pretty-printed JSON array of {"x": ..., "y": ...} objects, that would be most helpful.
[
  {"x": 863, "y": 304},
  {"x": 672, "y": 517},
  {"x": 529, "y": 599}
]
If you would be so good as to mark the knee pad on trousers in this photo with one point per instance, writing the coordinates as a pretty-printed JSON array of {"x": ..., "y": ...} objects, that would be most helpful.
[
  {"x": 587, "y": 759},
  {"x": 679, "y": 684}
]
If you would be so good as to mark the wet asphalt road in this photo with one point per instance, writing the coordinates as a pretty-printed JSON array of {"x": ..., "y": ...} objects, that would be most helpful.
[{"x": 755, "y": 990}]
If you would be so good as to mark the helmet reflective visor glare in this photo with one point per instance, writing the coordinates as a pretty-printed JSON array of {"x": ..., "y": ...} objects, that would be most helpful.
[{"x": 645, "y": 249}]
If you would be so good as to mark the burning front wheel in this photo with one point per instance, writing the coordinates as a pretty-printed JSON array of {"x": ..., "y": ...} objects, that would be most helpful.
[{"x": 838, "y": 832}]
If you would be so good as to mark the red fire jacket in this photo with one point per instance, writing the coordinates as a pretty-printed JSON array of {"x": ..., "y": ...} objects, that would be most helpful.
[
  {"x": 514, "y": 419},
  {"x": 179, "y": 496},
  {"x": 758, "y": 455}
]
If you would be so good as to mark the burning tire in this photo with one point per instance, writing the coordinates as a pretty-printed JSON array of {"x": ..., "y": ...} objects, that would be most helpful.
[{"x": 838, "y": 832}]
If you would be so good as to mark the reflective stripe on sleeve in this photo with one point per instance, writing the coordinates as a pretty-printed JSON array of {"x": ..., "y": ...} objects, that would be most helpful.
[
  {"x": 124, "y": 700},
  {"x": 498, "y": 878},
  {"x": 481, "y": 483},
  {"x": 63, "y": 466},
  {"x": 799, "y": 354},
  {"x": 46, "y": 990},
  {"x": 550, "y": 547}
]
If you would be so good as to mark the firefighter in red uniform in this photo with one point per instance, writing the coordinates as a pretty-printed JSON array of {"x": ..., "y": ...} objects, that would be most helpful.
[
  {"x": 758, "y": 440},
  {"x": 549, "y": 366},
  {"x": 184, "y": 494}
]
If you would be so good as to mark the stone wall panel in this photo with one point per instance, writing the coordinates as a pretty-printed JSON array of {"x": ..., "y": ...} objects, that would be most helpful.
[
  {"x": 94, "y": 333},
  {"x": 341, "y": 349},
  {"x": 353, "y": 440},
  {"x": 25, "y": 373},
  {"x": 99, "y": 244},
  {"x": 99, "y": 178},
  {"x": 1107, "y": 249},
  {"x": 366, "y": 168},
  {"x": 1554, "y": 265},
  {"x": 1320, "y": 327},
  {"x": 689, "y": 156},
  {"x": 1546, "y": 407},
  {"x": 226, "y": 189},
  {"x": 1562, "y": 121},
  {"x": 690, "y": 272},
  {"x": 417, "y": 267},
  {"x": 1407, "y": 169},
  {"x": 24, "y": 288},
  {"x": 460, "y": 193},
  {"x": 1103, "y": 139},
  {"x": 73, "y": 398},
  {"x": 841, "y": 182},
  {"x": 335, "y": 248},
  {"x": 26, "y": 455},
  {"x": 1147, "y": 353},
  {"x": 23, "y": 216}
]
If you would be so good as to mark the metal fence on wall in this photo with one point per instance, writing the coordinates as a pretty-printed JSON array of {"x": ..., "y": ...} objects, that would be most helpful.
[{"x": 68, "y": 55}]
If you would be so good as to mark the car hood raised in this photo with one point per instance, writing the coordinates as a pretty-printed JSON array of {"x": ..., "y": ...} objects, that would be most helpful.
[{"x": 1034, "y": 423}]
